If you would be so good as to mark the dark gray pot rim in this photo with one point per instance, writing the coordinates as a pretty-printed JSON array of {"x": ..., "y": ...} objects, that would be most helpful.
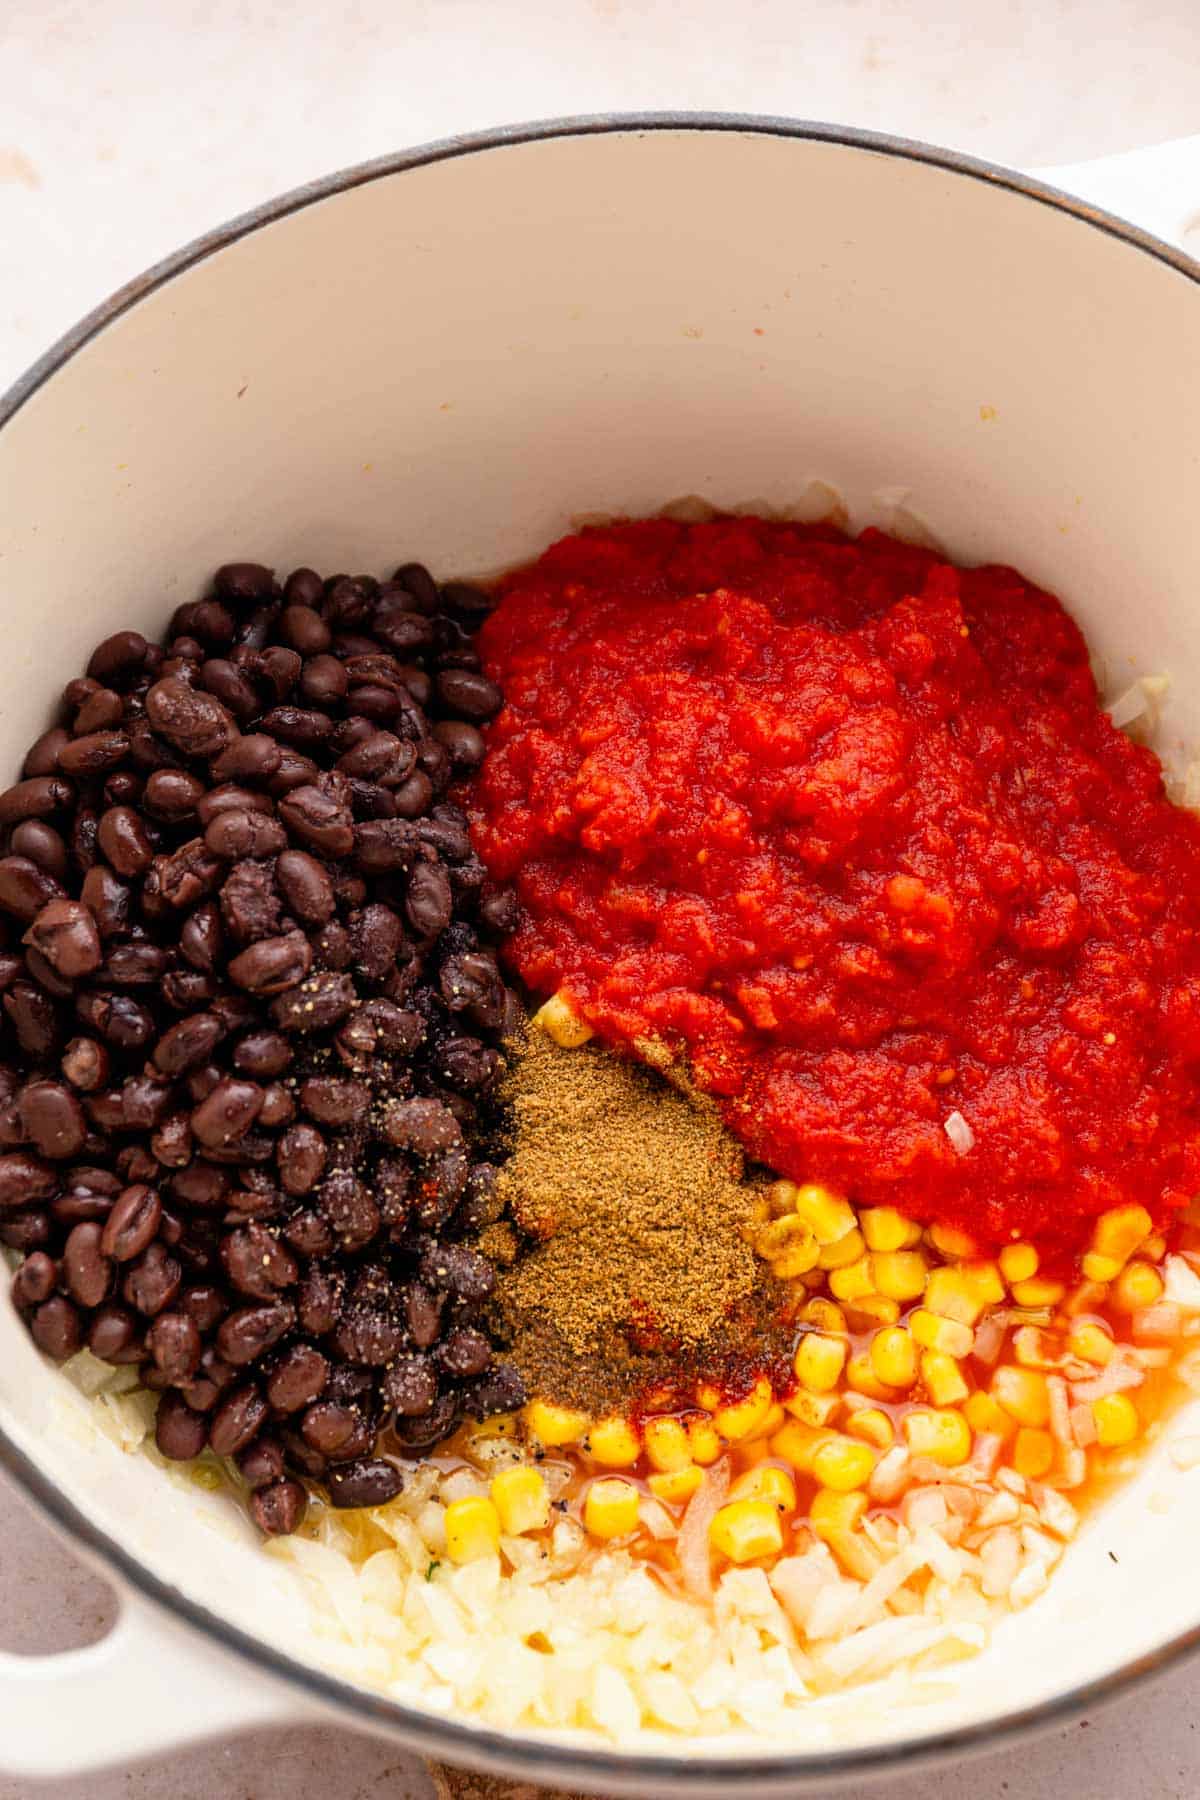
[{"x": 776, "y": 1771}]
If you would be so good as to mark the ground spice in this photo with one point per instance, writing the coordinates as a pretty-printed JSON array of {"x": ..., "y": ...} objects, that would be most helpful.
[{"x": 630, "y": 1198}]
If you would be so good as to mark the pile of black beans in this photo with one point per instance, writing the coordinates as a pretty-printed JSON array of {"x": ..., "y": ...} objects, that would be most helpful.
[{"x": 251, "y": 1010}]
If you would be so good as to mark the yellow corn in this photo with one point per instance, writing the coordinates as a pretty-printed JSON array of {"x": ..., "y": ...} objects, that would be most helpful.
[
  {"x": 767, "y": 1426},
  {"x": 1139, "y": 1284},
  {"x": 796, "y": 1443},
  {"x": 675, "y": 1485},
  {"x": 833, "y": 1515},
  {"x": 767, "y": 1482},
  {"x": 521, "y": 1499},
  {"x": 950, "y": 1241},
  {"x": 871, "y": 1310},
  {"x": 942, "y": 1378},
  {"x": 1091, "y": 1343},
  {"x": 886, "y": 1229},
  {"x": 789, "y": 1245},
  {"x": 1018, "y": 1262},
  {"x": 1038, "y": 1291},
  {"x": 824, "y": 1315},
  {"x": 983, "y": 1414},
  {"x": 667, "y": 1444},
  {"x": 829, "y": 1216},
  {"x": 1023, "y": 1394},
  {"x": 559, "y": 1020},
  {"x": 819, "y": 1362},
  {"x": 555, "y": 1425},
  {"x": 704, "y": 1440},
  {"x": 1155, "y": 1248},
  {"x": 1033, "y": 1452},
  {"x": 610, "y": 1507},
  {"x": 1119, "y": 1231},
  {"x": 935, "y": 1332},
  {"x": 1117, "y": 1420},
  {"x": 894, "y": 1356},
  {"x": 985, "y": 1284},
  {"x": 948, "y": 1293},
  {"x": 614, "y": 1443},
  {"x": 873, "y": 1426},
  {"x": 1100, "y": 1268},
  {"x": 843, "y": 1464},
  {"x": 472, "y": 1529},
  {"x": 812, "y": 1409},
  {"x": 861, "y": 1377},
  {"x": 899, "y": 1274},
  {"x": 746, "y": 1529},
  {"x": 945, "y": 1437},
  {"x": 847, "y": 1249},
  {"x": 740, "y": 1419},
  {"x": 853, "y": 1281}
]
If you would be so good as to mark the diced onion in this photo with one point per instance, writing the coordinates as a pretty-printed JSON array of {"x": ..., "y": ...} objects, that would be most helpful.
[{"x": 959, "y": 1133}]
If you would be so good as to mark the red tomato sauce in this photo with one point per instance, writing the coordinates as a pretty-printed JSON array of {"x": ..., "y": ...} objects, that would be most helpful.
[{"x": 845, "y": 826}]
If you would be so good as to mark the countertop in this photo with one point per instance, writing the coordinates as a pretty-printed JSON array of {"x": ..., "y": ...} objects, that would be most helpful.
[{"x": 128, "y": 127}]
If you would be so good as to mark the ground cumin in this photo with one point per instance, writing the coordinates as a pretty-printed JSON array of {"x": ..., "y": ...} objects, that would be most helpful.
[{"x": 628, "y": 1261}]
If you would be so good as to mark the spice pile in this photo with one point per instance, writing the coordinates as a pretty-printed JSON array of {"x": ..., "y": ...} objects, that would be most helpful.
[
  {"x": 250, "y": 1017},
  {"x": 635, "y": 1272}
]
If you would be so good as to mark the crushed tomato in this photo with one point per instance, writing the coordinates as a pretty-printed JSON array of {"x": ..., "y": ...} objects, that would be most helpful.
[{"x": 845, "y": 826}]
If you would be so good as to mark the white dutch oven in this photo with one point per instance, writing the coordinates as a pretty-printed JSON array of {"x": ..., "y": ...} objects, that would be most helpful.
[{"x": 449, "y": 354}]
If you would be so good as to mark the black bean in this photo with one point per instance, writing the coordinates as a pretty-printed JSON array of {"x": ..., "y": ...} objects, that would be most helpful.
[
  {"x": 113, "y": 1336},
  {"x": 172, "y": 794},
  {"x": 428, "y": 903},
  {"x": 52, "y": 1120},
  {"x": 272, "y": 964},
  {"x": 463, "y": 743},
  {"x": 173, "y": 1340},
  {"x": 319, "y": 820},
  {"x": 501, "y": 1390},
  {"x": 121, "y": 655},
  {"x": 256, "y": 1262},
  {"x": 423, "y": 1125},
  {"x": 34, "y": 798},
  {"x": 133, "y": 1223},
  {"x": 34, "y": 1281},
  {"x": 40, "y": 844},
  {"x": 322, "y": 1000},
  {"x": 249, "y": 1332},
  {"x": 237, "y": 1420},
  {"x": 464, "y": 1351},
  {"x": 262, "y": 1462},
  {"x": 227, "y": 1113},
  {"x": 195, "y": 722},
  {"x": 305, "y": 885},
  {"x": 467, "y": 693},
  {"x": 350, "y": 1209},
  {"x": 184, "y": 876},
  {"x": 33, "y": 1018},
  {"x": 108, "y": 901},
  {"x": 250, "y": 905},
  {"x": 254, "y": 757},
  {"x": 120, "y": 1021},
  {"x": 369, "y": 1481},
  {"x": 153, "y": 1280},
  {"x": 42, "y": 757},
  {"x": 279, "y": 1510},
  {"x": 329, "y": 1426},
  {"x": 243, "y": 582},
  {"x": 87, "y": 1272},
  {"x": 318, "y": 1299},
  {"x": 429, "y": 1429},
  {"x": 332, "y": 1100},
  {"x": 25, "y": 888},
  {"x": 236, "y": 833},
  {"x": 454, "y": 1268},
  {"x": 65, "y": 933},
  {"x": 26, "y": 1231}
]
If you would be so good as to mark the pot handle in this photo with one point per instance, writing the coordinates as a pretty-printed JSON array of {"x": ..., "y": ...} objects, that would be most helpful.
[
  {"x": 148, "y": 1687},
  {"x": 1157, "y": 188}
]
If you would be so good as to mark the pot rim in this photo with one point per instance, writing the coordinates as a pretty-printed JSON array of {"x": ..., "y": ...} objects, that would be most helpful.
[{"x": 524, "y": 1754}]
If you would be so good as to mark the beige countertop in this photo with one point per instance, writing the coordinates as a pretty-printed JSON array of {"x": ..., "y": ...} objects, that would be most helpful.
[{"x": 131, "y": 126}]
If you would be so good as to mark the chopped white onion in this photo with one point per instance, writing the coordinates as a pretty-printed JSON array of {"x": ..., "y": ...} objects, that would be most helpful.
[{"x": 959, "y": 1133}]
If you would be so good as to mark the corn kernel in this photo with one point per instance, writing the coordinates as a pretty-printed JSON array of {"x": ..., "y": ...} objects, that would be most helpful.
[
  {"x": 873, "y": 1426},
  {"x": 753, "y": 1452},
  {"x": 812, "y": 1409},
  {"x": 746, "y": 1529},
  {"x": 767, "y": 1426},
  {"x": 833, "y": 1515},
  {"x": 1033, "y": 1452},
  {"x": 674, "y": 1486},
  {"x": 1018, "y": 1262},
  {"x": 819, "y": 1362},
  {"x": 824, "y": 1315},
  {"x": 942, "y": 1378},
  {"x": 1155, "y": 1248},
  {"x": 738, "y": 1420},
  {"x": 985, "y": 1415},
  {"x": 900, "y": 1274},
  {"x": 848, "y": 1249},
  {"x": 1091, "y": 1343},
  {"x": 886, "y": 1229},
  {"x": 950, "y": 1241},
  {"x": 829, "y": 1216},
  {"x": 948, "y": 1294},
  {"x": 1116, "y": 1420},
  {"x": 610, "y": 1507},
  {"x": 945, "y": 1437},
  {"x": 767, "y": 1482},
  {"x": 521, "y": 1499},
  {"x": 780, "y": 1198},
  {"x": 789, "y": 1245},
  {"x": 796, "y": 1444},
  {"x": 852, "y": 1282},
  {"x": 934, "y": 1332},
  {"x": 861, "y": 1377},
  {"x": 870, "y": 1311},
  {"x": 613, "y": 1443},
  {"x": 472, "y": 1529},
  {"x": 1038, "y": 1291},
  {"x": 1119, "y": 1231},
  {"x": 667, "y": 1445},
  {"x": 843, "y": 1464},
  {"x": 1023, "y": 1394},
  {"x": 894, "y": 1356},
  {"x": 1139, "y": 1284},
  {"x": 985, "y": 1284},
  {"x": 704, "y": 1440},
  {"x": 1100, "y": 1268},
  {"x": 559, "y": 1020},
  {"x": 555, "y": 1425}
]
